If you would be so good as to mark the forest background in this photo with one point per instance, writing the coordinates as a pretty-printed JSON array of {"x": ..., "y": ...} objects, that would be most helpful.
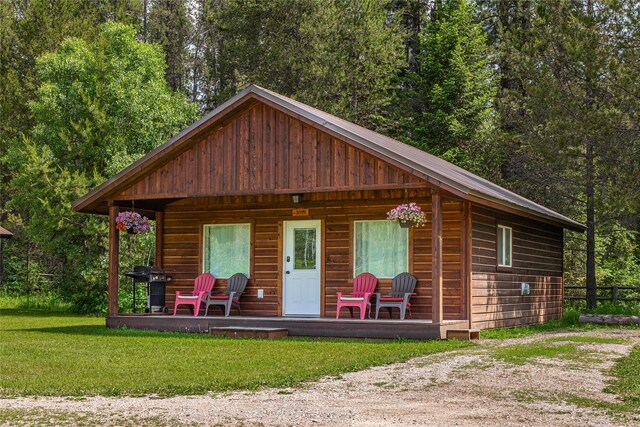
[{"x": 542, "y": 97}]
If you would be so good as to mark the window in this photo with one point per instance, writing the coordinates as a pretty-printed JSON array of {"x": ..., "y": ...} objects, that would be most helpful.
[
  {"x": 381, "y": 248},
  {"x": 227, "y": 249},
  {"x": 304, "y": 256},
  {"x": 504, "y": 246}
]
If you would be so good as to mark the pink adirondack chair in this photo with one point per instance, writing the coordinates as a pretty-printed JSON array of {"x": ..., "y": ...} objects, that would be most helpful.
[
  {"x": 201, "y": 289},
  {"x": 363, "y": 288}
]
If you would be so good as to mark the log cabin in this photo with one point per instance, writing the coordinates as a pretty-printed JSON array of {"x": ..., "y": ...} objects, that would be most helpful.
[{"x": 238, "y": 191}]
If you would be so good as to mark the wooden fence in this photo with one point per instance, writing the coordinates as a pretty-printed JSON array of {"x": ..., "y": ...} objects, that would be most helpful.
[{"x": 614, "y": 295}]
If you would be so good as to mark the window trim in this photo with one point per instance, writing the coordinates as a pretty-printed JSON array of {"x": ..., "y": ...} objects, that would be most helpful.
[
  {"x": 353, "y": 247},
  {"x": 224, "y": 223},
  {"x": 500, "y": 232}
]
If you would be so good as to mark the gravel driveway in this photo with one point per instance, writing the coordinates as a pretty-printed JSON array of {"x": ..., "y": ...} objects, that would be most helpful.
[{"x": 470, "y": 387}]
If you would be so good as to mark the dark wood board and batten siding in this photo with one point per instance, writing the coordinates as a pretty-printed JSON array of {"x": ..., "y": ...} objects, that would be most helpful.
[
  {"x": 264, "y": 151},
  {"x": 536, "y": 259},
  {"x": 182, "y": 245}
]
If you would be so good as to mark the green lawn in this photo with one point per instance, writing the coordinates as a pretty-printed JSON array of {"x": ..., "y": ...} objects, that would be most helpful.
[
  {"x": 48, "y": 353},
  {"x": 627, "y": 378}
]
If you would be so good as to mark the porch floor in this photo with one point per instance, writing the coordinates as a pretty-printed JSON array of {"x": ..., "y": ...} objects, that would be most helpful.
[{"x": 297, "y": 326}]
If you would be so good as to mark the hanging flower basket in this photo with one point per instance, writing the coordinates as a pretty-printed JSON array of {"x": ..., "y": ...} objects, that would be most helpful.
[
  {"x": 132, "y": 222},
  {"x": 407, "y": 215}
]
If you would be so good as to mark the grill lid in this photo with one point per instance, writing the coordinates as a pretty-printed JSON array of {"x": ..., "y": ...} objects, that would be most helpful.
[{"x": 144, "y": 271}]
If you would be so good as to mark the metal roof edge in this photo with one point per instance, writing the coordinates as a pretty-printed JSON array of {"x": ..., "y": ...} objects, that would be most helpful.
[{"x": 561, "y": 219}]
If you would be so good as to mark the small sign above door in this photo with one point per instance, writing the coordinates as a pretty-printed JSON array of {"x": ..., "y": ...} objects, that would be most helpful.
[{"x": 300, "y": 212}]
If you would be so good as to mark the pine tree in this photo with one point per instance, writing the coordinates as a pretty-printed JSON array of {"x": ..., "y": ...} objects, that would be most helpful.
[
  {"x": 576, "y": 122},
  {"x": 168, "y": 25},
  {"x": 357, "y": 49},
  {"x": 337, "y": 55},
  {"x": 448, "y": 109}
]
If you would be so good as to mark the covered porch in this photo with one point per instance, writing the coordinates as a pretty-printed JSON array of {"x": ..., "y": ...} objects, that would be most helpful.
[{"x": 435, "y": 254}]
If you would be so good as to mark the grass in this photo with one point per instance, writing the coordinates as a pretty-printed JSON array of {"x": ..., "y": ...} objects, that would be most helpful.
[
  {"x": 589, "y": 340},
  {"x": 570, "y": 321},
  {"x": 626, "y": 373},
  {"x": 57, "y": 353},
  {"x": 629, "y": 308},
  {"x": 45, "y": 301},
  {"x": 520, "y": 354}
]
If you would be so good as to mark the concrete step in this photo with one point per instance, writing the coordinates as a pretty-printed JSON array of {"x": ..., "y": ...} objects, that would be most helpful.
[{"x": 249, "y": 332}]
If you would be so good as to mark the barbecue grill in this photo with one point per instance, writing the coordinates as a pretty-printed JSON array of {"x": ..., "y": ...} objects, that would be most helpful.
[{"x": 155, "y": 280}]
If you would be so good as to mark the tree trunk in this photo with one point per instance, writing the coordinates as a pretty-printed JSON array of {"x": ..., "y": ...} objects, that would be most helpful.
[
  {"x": 144, "y": 20},
  {"x": 592, "y": 300},
  {"x": 589, "y": 178}
]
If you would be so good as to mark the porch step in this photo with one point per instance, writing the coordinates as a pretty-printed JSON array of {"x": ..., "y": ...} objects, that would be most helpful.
[
  {"x": 463, "y": 334},
  {"x": 249, "y": 332}
]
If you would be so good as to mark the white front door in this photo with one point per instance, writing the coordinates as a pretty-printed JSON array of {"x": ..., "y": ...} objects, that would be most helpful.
[{"x": 301, "y": 287}]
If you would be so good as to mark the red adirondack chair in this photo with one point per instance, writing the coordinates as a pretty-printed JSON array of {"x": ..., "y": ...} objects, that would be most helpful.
[
  {"x": 201, "y": 289},
  {"x": 363, "y": 288}
]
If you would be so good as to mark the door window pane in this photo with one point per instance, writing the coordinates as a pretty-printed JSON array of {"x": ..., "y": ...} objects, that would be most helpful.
[
  {"x": 381, "y": 248},
  {"x": 305, "y": 248},
  {"x": 227, "y": 249}
]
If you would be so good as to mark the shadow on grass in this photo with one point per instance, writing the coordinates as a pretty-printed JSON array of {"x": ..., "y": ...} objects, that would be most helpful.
[
  {"x": 102, "y": 331},
  {"x": 39, "y": 312}
]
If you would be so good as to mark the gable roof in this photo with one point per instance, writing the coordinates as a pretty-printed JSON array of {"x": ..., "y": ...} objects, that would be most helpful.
[{"x": 420, "y": 163}]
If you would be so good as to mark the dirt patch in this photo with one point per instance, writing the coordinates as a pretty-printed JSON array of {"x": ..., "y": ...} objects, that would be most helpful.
[{"x": 510, "y": 383}]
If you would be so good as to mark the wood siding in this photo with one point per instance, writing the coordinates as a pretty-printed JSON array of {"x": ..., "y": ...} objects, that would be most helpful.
[
  {"x": 181, "y": 253},
  {"x": 536, "y": 259},
  {"x": 264, "y": 151}
]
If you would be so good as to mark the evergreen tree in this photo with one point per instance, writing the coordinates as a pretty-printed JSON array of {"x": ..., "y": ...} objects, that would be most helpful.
[
  {"x": 448, "y": 107},
  {"x": 577, "y": 117},
  {"x": 253, "y": 42},
  {"x": 339, "y": 55},
  {"x": 168, "y": 24},
  {"x": 357, "y": 49}
]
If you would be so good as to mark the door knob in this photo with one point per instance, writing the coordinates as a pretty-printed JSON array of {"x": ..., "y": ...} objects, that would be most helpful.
[{"x": 288, "y": 272}]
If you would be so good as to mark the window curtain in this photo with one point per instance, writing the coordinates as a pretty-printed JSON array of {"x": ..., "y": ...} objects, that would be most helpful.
[
  {"x": 381, "y": 248},
  {"x": 227, "y": 249}
]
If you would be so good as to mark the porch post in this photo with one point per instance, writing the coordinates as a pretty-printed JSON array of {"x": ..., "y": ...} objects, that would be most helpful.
[
  {"x": 436, "y": 256},
  {"x": 114, "y": 252},
  {"x": 159, "y": 237}
]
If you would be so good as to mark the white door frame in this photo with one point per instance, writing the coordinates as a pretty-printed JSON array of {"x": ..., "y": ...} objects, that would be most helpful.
[{"x": 287, "y": 266}]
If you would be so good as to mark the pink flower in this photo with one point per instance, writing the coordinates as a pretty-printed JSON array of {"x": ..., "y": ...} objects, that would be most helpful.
[
  {"x": 127, "y": 220},
  {"x": 410, "y": 212}
]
